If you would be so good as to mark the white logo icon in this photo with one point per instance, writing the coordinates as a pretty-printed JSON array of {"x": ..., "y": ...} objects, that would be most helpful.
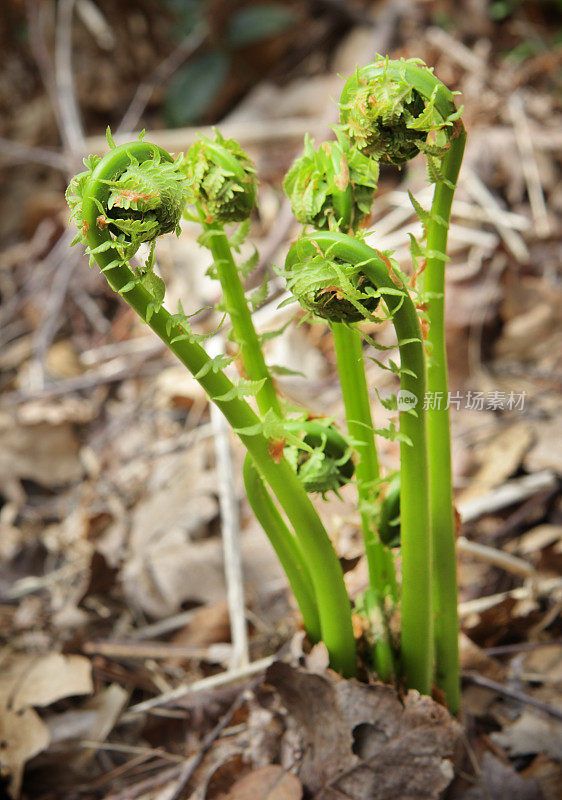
[{"x": 406, "y": 400}]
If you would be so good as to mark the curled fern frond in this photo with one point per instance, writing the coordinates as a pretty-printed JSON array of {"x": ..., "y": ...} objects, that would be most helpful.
[
  {"x": 328, "y": 286},
  {"x": 143, "y": 198},
  {"x": 332, "y": 187},
  {"x": 323, "y": 460},
  {"x": 224, "y": 179},
  {"x": 131, "y": 196},
  {"x": 389, "y": 108}
]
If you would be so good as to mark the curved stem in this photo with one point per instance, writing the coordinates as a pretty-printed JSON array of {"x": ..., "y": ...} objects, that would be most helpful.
[
  {"x": 438, "y": 423},
  {"x": 286, "y": 547},
  {"x": 382, "y": 578},
  {"x": 329, "y": 586},
  {"x": 239, "y": 313},
  {"x": 417, "y": 630}
]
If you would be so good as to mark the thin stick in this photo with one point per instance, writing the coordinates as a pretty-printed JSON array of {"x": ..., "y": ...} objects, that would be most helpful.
[
  {"x": 538, "y": 589},
  {"x": 529, "y": 165},
  {"x": 484, "y": 197},
  {"x": 164, "y": 626},
  {"x": 514, "y": 694},
  {"x": 521, "y": 647},
  {"x": 507, "y": 495},
  {"x": 187, "y": 47},
  {"x": 491, "y": 555},
  {"x": 230, "y": 530},
  {"x": 71, "y": 123},
  {"x": 206, "y": 745},
  {"x": 212, "y": 682},
  {"x": 158, "y": 650},
  {"x": 17, "y": 152}
]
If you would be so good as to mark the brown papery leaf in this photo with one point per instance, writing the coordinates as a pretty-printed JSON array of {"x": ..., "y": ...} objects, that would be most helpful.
[
  {"x": 23, "y": 734},
  {"x": 268, "y": 783},
  {"x": 362, "y": 742}
]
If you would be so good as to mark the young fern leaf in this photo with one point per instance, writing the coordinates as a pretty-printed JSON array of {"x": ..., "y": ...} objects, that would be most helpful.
[
  {"x": 224, "y": 179},
  {"x": 215, "y": 365},
  {"x": 258, "y": 297},
  {"x": 242, "y": 389},
  {"x": 389, "y": 108},
  {"x": 249, "y": 265},
  {"x": 322, "y": 457},
  {"x": 240, "y": 235},
  {"x": 331, "y": 188}
]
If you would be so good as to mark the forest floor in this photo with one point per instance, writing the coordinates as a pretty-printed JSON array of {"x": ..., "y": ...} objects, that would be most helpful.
[{"x": 118, "y": 677}]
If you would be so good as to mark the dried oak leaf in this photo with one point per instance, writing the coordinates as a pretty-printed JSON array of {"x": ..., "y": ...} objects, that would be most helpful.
[
  {"x": 23, "y": 734},
  {"x": 27, "y": 681},
  {"x": 267, "y": 783},
  {"x": 362, "y": 742}
]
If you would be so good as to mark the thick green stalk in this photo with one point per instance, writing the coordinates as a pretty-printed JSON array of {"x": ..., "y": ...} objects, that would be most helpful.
[
  {"x": 286, "y": 547},
  {"x": 417, "y": 629},
  {"x": 438, "y": 424},
  {"x": 241, "y": 318},
  {"x": 329, "y": 586},
  {"x": 382, "y": 578}
]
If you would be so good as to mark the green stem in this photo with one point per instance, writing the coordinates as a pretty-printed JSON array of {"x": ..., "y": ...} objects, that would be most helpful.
[
  {"x": 438, "y": 424},
  {"x": 417, "y": 631},
  {"x": 329, "y": 586},
  {"x": 286, "y": 547},
  {"x": 241, "y": 318},
  {"x": 282, "y": 539},
  {"x": 382, "y": 578}
]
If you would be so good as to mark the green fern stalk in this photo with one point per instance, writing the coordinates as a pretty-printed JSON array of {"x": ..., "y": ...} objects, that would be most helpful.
[
  {"x": 347, "y": 256},
  {"x": 392, "y": 110},
  {"x": 380, "y": 561},
  {"x": 89, "y": 196},
  {"x": 332, "y": 188},
  {"x": 225, "y": 191},
  {"x": 439, "y": 432},
  {"x": 286, "y": 547}
]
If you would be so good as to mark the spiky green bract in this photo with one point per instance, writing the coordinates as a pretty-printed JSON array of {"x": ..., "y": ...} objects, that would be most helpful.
[
  {"x": 332, "y": 187},
  {"x": 144, "y": 201},
  {"x": 330, "y": 287},
  {"x": 224, "y": 179},
  {"x": 326, "y": 465},
  {"x": 389, "y": 108}
]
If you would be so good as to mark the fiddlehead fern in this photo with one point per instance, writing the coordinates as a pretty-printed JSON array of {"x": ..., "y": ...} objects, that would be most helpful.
[
  {"x": 89, "y": 197},
  {"x": 224, "y": 179},
  {"x": 141, "y": 198},
  {"x": 416, "y": 544},
  {"x": 332, "y": 187},
  {"x": 389, "y": 108},
  {"x": 392, "y": 109},
  {"x": 330, "y": 287},
  {"x": 145, "y": 198},
  {"x": 224, "y": 188},
  {"x": 326, "y": 464}
]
